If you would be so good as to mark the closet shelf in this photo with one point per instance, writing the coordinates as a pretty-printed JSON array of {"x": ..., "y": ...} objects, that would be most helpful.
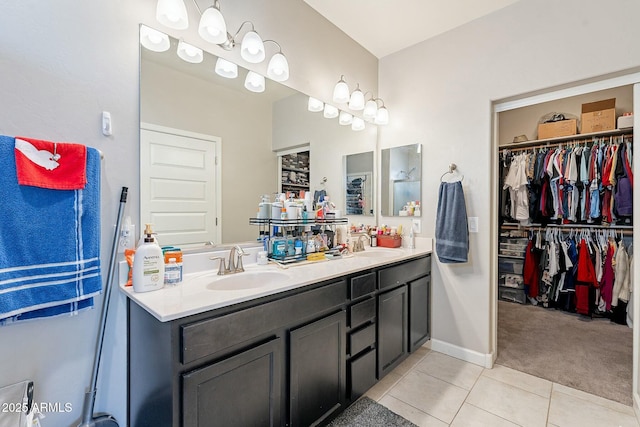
[
  {"x": 580, "y": 136},
  {"x": 507, "y": 226},
  {"x": 511, "y": 256}
]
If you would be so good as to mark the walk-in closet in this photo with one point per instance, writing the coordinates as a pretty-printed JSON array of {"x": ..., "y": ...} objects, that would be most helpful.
[{"x": 565, "y": 245}]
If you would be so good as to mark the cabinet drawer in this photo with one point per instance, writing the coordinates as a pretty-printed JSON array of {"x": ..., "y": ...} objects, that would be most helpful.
[
  {"x": 362, "y": 285},
  {"x": 362, "y": 312},
  {"x": 362, "y": 373},
  {"x": 362, "y": 339},
  {"x": 206, "y": 337},
  {"x": 404, "y": 273}
]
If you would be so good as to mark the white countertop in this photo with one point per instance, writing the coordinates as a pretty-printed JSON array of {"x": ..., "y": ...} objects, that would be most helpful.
[{"x": 205, "y": 290}]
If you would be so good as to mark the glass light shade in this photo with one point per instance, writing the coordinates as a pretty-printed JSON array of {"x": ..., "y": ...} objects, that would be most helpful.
[
  {"x": 356, "y": 101},
  {"x": 341, "y": 92},
  {"x": 315, "y": 105},
  {"x": 173, "y": 14},
  {"x": 357, "y": 124},
  {"x": 382, "y": 116},
  {"x": 345, "y": 118},
  {"x": 226, "y": 69},
  {"x": 212, "y": 27},
  {"x": 278, "y": 68},
  {"x": 252, "y": 48},
  {"x": 254, "y": 82},
  {"x": 330, "y": 112},
  {"x": 370, "y": 110},
  {"x": 189, "y": 53},
  {"x": 153, "y": 39}
]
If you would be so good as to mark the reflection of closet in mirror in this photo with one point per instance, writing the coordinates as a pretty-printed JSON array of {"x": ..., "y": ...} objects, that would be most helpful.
[
  {"x": 401, "y": 180},
  {"x": 359, "y": 184},
  {"x": 294, "y": 172}
]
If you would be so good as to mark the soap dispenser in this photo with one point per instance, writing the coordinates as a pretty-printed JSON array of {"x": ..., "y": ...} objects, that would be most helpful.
[{"x": 148, "y": 264}]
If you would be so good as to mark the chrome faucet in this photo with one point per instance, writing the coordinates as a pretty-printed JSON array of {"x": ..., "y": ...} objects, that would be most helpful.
[{"x": 234, "y": 265}]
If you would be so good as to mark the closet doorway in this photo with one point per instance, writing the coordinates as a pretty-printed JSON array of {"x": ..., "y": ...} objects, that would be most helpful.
[{"x": 544, "y": 325}]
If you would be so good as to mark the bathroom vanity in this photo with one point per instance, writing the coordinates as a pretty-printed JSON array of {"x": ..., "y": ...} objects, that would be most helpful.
[{"x": 294, "y": 349}]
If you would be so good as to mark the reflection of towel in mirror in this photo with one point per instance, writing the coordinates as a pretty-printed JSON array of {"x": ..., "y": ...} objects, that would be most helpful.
[
  {"x": 452, "y": 234},
  {"x": 49, "y": 243}
]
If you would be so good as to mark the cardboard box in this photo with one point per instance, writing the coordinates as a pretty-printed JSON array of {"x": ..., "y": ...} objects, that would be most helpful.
[
  {"x": 625, "y": 122},
  {"x": 555, "y": 129},
  {"x": 598, "y": 116}
]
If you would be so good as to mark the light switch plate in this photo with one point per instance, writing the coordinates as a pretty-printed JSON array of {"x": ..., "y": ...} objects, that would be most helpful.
[
  {"x": 473, "y": 224},
  {"x": 417, "y": 225}
]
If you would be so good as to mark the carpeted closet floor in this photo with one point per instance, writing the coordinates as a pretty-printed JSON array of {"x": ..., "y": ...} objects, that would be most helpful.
[{"x": 590, "y": 355}]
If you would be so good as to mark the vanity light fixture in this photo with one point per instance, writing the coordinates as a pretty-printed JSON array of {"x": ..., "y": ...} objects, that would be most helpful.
[
  {"x": 356, "y": 100},
  {"x": 382, "y": 116},
  {"x": 278, "y": 68},
  {"x": 254, "y": 82},
  {"x": 212, "y": 27},
  {"x": 189, "y": 53},
  {"x": 173, "y": 14},
  {"x": 153, "y": 39},
  {"x": 345, "y": 118},
  {"x": 252, "y": 46},
  {"x": 357, "y": 124},
  {"x": 226, "y": 68},
  {"x": 341, "y": 91},
  {"x": 330, "y": 112},
  {"x": 370, "y": 109},
  {"x": 315, "y": 105}
]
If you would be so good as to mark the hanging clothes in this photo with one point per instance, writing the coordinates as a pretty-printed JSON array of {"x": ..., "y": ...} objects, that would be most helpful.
[
  {"x": 531, "y": 269},
  {"x": 585, "y": 280}
]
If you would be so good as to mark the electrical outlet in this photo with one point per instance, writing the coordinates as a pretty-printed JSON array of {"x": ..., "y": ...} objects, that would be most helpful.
[
  {"x": 126, "y": 238},
  {"x": 417, "y": 226}
]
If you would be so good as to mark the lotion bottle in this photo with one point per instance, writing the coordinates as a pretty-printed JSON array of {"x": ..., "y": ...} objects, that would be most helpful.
[{"x": 148, "y": 264}]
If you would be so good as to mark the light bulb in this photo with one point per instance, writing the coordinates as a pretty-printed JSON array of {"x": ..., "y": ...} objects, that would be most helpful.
[
  {"x": 226, "y": 69},
  {"x": 341, "y": 92},
  {"x": 212, "y": 27},
  {"x": 189, "y": 53},
  {"x": 330, "y": 112},
  {"x": 254, "y": 82},
  {"x": 345, "y": 118},
  {"x": 278, "y": 68},
  {"x": 153, "y": 39},
  {"x": 173, "y": 14},
  {"x": 252, "y": 48},
  {"x": 315, "y": 105}
]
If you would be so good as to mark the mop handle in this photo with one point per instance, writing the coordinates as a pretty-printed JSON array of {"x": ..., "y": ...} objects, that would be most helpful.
[{"x": 90, "y": 395}]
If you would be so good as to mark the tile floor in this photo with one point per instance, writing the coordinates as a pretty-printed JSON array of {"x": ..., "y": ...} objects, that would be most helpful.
[{"x": 432, "y": 389}]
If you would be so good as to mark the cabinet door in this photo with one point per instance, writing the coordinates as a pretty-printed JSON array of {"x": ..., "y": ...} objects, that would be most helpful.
[
  {"x": 392, "y": 329},
  {"x": 242, "y": 390},
  {"x": 419, "y": 291},
  {"x": 318, "y": 365}
]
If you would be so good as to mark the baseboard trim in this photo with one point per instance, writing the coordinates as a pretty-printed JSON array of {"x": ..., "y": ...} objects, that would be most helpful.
[{"x": 482, "y": 359}]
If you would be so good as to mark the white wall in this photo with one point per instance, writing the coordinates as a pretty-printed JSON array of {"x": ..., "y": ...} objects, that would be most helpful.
[
  {"x": 441, "y": 92},
  {"x": 63, "y": 63}
]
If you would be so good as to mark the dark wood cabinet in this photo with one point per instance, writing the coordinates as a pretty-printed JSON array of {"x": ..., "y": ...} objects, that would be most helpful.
[
  {"x": 318, "y": 370},
  {"x": 419, "y": 299},
  {"x": 392, "y": 329},
  {"x": 294, "y": 359},
  {"x": 242, "y": 390}
]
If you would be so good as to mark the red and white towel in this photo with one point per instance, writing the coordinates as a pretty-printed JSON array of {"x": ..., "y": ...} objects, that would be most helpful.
[{"x": 45, "y": 164}]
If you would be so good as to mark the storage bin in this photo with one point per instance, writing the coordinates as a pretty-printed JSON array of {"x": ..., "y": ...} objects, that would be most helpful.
[
  {"x": 512, "y": 295},
  {"x": 514, "y": 281},
  {"x": 389, "y": 241},
  {"x": 510, "y": 266}
]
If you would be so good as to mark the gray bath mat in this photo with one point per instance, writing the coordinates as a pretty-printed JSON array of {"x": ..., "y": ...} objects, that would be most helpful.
[{"x": 367, "y": 413}]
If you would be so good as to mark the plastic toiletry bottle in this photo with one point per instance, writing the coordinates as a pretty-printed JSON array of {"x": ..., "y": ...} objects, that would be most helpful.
[
  {"x": 148, "y": 264},
  {"x": 171, "y": 273},
  {"x": 412, "y": 241}
]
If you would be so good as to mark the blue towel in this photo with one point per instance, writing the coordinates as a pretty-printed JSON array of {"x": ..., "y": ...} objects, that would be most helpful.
[
  {"x": 452, "y": 232},
  {"x": 49, "y": 244}
]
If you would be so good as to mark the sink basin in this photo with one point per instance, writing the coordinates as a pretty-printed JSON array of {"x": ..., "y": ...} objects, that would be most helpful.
[
  {"x": 377, "y": 253},
  {"x": 245, "y": 280}
]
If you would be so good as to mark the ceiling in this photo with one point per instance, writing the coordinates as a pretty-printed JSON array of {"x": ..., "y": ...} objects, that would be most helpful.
[{"x": 387, "y": 26}]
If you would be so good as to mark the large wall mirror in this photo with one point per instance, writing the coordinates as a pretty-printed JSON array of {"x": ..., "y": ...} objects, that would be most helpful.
[
  {"x": 208, "y": 148},
  {"x": 359, "y": 184},
  {"x": 401, "y": 177}
]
